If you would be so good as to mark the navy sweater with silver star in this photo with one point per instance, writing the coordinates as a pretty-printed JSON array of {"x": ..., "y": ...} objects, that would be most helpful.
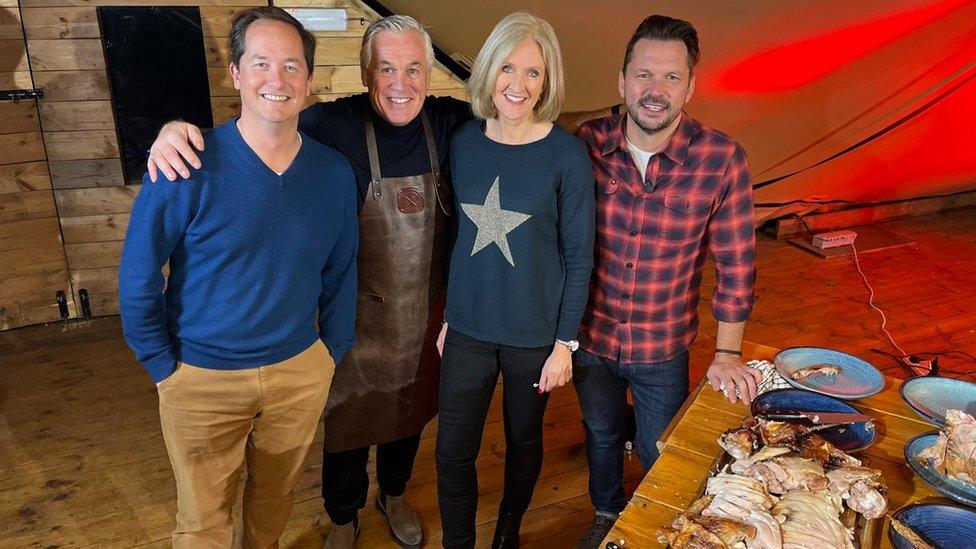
[{"x": 521, "y": 262}]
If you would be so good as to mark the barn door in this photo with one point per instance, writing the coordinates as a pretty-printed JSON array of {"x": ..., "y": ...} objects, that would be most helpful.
[{"x": 33, "y": 268}]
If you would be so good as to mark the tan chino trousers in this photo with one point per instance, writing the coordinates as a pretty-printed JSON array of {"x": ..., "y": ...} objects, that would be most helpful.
[{"x": 214, "y": 421}]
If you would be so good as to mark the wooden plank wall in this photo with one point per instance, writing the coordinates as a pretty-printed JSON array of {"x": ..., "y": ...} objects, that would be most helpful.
[
  {"x": 32, "y": 260},
  {"x": 66, "y": 58},
  {"x": 336, "y": 72}
]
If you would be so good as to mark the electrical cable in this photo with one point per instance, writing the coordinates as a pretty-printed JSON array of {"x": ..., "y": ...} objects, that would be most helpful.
[
  {"x": 948, "y": 352},
  {"x": 854, "y": 203},
  {"x": 884, "y": 319},
  {"x": 944, "y": 353},
  {"x": 857, "y": 263},
  {"x": 803, "y": 223},
  {"x": 906, "y": 365}
]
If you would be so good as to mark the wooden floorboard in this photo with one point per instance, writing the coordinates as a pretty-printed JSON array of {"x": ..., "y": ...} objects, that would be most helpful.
[{"x": 84, "y": 464}]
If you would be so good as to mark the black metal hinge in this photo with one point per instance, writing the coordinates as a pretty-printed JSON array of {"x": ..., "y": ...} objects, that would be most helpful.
[
  {"x": 18, "y": 95},
  {"x": 62, "y": 300},
  {"x": 85, "y": 304}
]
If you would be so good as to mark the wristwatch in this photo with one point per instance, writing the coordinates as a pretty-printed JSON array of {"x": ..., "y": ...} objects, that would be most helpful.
[{"x": 572, "y": 344}]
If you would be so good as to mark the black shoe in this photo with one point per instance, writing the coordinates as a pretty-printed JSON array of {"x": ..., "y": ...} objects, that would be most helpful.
[
  {"x": 599, "y": 529},
  {"x": 507, "y": 531}
]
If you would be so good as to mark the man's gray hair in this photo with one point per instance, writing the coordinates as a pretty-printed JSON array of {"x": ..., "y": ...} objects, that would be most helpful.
[{"x": 394, "y": 23}]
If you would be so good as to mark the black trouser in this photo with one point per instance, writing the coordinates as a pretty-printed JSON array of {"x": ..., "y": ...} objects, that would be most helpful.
[
  {"x": 345, "y": 481},
  {"x": 469, "y": 372}
]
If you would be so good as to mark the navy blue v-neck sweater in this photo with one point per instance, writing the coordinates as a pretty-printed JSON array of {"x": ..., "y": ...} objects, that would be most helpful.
[{"x": 255, "y": 259}]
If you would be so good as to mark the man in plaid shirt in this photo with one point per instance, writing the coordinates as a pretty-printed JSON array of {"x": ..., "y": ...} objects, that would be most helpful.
[{"x": 668, "y": 188}]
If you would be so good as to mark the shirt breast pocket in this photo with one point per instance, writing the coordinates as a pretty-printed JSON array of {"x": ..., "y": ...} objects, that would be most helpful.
[
  {"x": 684, "y": 218},
  {"x": 607, "y": 210},
  {"x": 606, "y": 186}
]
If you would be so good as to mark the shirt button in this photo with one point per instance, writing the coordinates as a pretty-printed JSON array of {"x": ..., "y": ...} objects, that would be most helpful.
[
  {"x": 613, "y": 181},
  {"x": 623, "y": 321},
  {"x": 630, "y": 265},
  {"x": 626, "y": 296},
  {"x": 633, "y": 233},
  {"x": 638, "y": 200}
]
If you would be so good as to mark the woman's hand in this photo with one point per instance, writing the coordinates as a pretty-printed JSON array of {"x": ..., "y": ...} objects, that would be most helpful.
[
  {"x": 440, "y": 339},
  {"x": 558, "y": 369}
]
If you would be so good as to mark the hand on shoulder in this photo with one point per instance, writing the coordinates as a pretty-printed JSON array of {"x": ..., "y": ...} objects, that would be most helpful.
[{"x": 172, "y": 150}]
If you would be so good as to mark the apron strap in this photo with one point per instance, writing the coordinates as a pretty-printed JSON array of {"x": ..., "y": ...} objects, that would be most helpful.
[
  {"x": 435, "y": 164},
  {"x": 374, "y": 158}
]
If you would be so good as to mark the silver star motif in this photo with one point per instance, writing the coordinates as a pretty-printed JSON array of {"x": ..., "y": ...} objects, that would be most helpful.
[{"x": 493, "y": 222}]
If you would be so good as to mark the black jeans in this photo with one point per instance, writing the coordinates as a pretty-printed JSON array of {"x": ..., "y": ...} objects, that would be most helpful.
[
  {"x": 469, "y": 372},
  {"x": 345, "y": 481}
]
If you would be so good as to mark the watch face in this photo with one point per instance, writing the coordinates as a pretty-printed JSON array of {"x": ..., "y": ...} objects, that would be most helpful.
[{"x": 572, "y": 344}]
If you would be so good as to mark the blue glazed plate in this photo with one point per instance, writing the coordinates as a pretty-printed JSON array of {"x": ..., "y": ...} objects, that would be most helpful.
[
  {"x": 952, "y": 489},
  {"x": 932, "y": 396},
  {"x": 938, "y": 524},
  {"x": 856, "y": 379},
  {"x": 849, "y": 438}
]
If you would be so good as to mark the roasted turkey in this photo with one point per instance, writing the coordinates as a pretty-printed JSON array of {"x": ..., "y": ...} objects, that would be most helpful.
[
  {"x": 786, "y": 488},
  {"x": 744, "y": 499},
  {"x": 954, "y": 453},
  {"x": 812, "y": 522},
  {"x": 861, "y": 488},
  {"x": 784, "y": 474}
]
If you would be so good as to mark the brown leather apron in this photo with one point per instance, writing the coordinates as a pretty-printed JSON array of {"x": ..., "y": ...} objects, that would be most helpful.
[{"x": 385, "y": 388}]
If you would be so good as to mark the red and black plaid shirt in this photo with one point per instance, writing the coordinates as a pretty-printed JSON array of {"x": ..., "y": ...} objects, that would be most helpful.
[{"x": 651, "y": 236}]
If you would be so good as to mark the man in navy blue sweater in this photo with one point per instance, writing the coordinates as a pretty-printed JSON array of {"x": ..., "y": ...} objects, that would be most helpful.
[{"x": 259, "y": 304}]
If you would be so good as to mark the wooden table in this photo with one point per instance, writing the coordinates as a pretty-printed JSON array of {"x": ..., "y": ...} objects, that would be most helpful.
[{"x": 689, "y": 447}]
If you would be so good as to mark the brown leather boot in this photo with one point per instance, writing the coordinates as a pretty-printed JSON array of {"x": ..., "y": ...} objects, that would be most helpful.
[
  {"x": 404, "y": 522},
  {"x": 340, "y": 536}
]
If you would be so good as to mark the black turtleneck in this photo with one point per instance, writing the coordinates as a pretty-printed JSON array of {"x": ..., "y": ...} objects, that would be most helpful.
[{"x": 402, "y": 149}]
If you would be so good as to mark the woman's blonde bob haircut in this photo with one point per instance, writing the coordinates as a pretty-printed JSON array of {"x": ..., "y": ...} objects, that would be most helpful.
[{"x": 509, "y": 33}]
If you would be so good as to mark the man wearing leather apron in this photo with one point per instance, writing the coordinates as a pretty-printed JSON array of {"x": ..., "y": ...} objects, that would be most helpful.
[
  {"x": 385, "y": 389},
  {"x": 397, "y": 140}
]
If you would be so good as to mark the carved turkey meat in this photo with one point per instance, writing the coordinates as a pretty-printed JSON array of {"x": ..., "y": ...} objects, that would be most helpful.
[
  {"x": 954, "y": 453},
  {"x": 786, "y": 488}
]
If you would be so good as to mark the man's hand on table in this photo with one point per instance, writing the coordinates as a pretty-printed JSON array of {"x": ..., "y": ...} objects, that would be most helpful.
[{"x": 727, "y": 373}]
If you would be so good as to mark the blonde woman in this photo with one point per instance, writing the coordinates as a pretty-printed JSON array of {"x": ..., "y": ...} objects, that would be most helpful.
[{"x": 520, "y": 267}]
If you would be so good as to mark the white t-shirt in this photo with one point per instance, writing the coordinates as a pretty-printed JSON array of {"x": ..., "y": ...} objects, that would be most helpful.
[
  {"x": 300, "y": 146},
  {"x": 641, "y": 158}
]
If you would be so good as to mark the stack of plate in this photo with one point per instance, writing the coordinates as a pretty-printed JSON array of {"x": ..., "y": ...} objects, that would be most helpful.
[{"x": 931, "y": 397}]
